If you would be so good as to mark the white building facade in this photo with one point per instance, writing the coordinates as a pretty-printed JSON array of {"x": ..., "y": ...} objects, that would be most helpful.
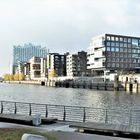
[{"x": 38, "y": 68}]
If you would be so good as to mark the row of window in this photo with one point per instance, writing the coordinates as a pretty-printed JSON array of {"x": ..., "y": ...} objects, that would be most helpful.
[
  {"x": 123, "y": 60},
  {"x": 117, "y": 44},
  {"x": 122, "y": 39},
  {"x": 122, "y": 65},
  {"x": 121, "y": 54},
  {"x": 113, "y": 49}
]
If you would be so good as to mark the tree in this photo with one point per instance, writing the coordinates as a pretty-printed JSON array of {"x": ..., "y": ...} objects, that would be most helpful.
[
  {"x": 19, "y": 77},
  {"x": 52, "y": 73},
  {"x": 11, "y": 77},
  {"x": 6, "y": 77}
]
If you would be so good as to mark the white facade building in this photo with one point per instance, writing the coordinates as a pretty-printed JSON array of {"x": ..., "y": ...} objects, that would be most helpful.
[
  {"x": 95, "y": 53},
  {"x": 38, "y": 68}
]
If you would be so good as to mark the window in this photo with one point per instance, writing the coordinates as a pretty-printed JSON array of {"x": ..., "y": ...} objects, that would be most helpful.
[
  {"x": 129, "y": 50},
  {"x": 113, "y": 55},
  {"x": 117, "y": 44},
  {"x": 134, "y": 50},
  {"x": 121, "y": 54},
  {"x": 112, "y": 38},
  {"x": 117, "y": 54},
  {"x": 121, "y": 39},
  {"x": 121, "y": 59},
  {"x": 113, "y": 64},
  {"x": 121, "y": 49},
  {"x": 117, "y": 65},
  {"x": 112, "y": 49},
  {"x": 113, "y": 59},
  {"x": 134, "y": 55},
  {"x": 112, "y": 44},
  {"x": 117, "y": 49},
  {"x": 129, "y": 40},
  {"x": 121, "y": 44},
  {"x": 125, "y": 44},
  {"x": 117, "y": 39},
  {"x": 125, "y": 39},
  {"x": 108, "y": 43},
  {"x": 108, "y": 48},
  {"x": 108, "y": 59},
  {"x": 135, "y": 42},
  {"x": 125, "y": 50},
  {"x": 117, "y": 59},
  {"x": 129, "y": 45},
  {"x": 108, "y": 37},
  {"x": 108, "y": 64}
]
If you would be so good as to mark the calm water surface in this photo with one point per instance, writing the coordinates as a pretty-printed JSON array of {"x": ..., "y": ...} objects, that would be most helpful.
[{"x": 68, "y": 96}]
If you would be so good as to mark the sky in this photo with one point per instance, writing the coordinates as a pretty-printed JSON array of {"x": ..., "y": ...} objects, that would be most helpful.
[{"x": 63, "y": 25}]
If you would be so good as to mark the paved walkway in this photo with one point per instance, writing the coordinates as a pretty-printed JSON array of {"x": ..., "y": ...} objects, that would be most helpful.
[
  {"x": 82, "y": 136},
  {"x": 62, "y": 132}
]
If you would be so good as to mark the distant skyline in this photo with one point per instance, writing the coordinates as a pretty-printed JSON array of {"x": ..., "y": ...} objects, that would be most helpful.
[{"x": 63, "y": 25}]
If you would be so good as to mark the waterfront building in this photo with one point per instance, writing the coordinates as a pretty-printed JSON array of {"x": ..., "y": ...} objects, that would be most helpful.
[
  {"x": 38, "y": 68},
  {"x": 24, "y": 53},
  {"x": 110, "y": 53},
  {"x": 77, "y": 64},
  {"x": 57, "y": 62}
]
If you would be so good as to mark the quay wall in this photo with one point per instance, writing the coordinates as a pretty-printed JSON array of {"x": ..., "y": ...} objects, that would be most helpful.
[
  {"x": 23, "y": 82},
  {"x": 110, "y": 86}
]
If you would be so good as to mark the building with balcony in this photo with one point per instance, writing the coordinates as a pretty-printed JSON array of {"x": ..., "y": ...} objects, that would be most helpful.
[
  {"x": 57, "y": 62},
  {"x": 77, "y": 64},
  {"x": 110, "y": 53},
  {"x": 38, "y": 68}
]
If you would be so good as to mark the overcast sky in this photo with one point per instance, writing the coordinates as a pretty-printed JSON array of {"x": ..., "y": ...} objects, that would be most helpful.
[{"x": 63, "y": 25}]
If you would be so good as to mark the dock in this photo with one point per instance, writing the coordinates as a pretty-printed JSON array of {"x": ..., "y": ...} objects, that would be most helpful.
[
  {"x": 24, "y": 119},
  {"x": 115, "y": 129}
]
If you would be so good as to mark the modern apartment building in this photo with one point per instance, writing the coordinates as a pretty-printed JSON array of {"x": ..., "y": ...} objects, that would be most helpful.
[
  {"x": 26, "y": 52},
  {"x": 57, "y": 62},
  {"x": 113, "y": 53},
  {"x": 38, "y": 68},
  {"x": 77, "y": 64}
]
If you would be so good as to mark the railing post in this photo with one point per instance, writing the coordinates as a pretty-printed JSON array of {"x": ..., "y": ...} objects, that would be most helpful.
[
  {"x": 1, "y": 107},
  {"x": 130, "y": 117},
  {"x": 84, "y": 115},
  {"x": 64, "y": 116},
  {"x": 15, "y": 108},
  {"x": 46, "y": 115},
  {"x": 106, "y": 116},
  {"x": 30, "y": 111}
]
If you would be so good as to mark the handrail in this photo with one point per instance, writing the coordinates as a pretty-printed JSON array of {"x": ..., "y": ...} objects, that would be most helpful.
[
  {"x": 71, "y": 106},
  {"x": 74, "y": 113}
]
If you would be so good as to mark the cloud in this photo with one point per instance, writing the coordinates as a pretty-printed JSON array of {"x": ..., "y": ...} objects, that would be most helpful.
[{"x": 63, "y": 25}]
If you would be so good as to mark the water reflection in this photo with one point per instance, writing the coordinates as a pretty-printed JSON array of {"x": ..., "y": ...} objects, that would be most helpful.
[{"x": 69, "y": 96}]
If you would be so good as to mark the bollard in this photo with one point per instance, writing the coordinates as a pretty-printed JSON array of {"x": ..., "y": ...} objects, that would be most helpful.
[
  {"x": 37, "y": 120},
  {"x": 32, "y": 137}
]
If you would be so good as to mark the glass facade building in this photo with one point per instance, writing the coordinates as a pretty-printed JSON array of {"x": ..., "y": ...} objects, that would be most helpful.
[
  {"x": 26, "y": 52},
  {"x": 114, "y": 52}
]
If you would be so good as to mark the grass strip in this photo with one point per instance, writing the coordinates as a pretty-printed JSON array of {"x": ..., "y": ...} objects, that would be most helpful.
[{"x": 16, "y": 133}]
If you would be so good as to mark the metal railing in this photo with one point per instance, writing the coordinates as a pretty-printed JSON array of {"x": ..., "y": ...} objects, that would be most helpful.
[{"x": 73, "y": 113}]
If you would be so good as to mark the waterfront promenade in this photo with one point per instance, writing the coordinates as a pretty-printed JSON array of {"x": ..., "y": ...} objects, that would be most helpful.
[{"x": 62, "y": 132}]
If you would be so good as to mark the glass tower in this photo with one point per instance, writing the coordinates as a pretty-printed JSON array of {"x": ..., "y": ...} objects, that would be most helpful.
[{"x": 26, "y": 52}]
